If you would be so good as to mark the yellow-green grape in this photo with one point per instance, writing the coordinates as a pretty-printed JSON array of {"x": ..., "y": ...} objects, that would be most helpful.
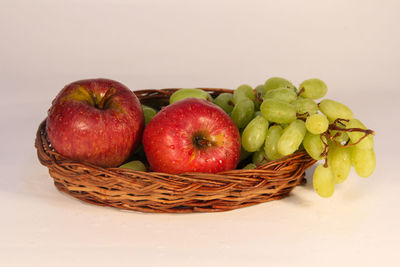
[
  {"x": 278, "y": 111},
  {"x": 242, "y": 113},
  {"x": 323, "y": 181},
  {"x": 283, "y": 94},
  {"x": 148, "y": 113},
  {"x": 317, "y": 123},
  {"x": 363, "y": 161},
  {"x": 242, "y": 92},
  {"x": 225, "y": 101},
  {"x": 250, "y": 166},
  {"x": 189, "y": 93},
  {"x": 313, "y": 88},
  {"x": 314, "y": 145},
  {"x": 277, "y": 82},
  {"x": 335, "y": 110},
  {"x": 271, "y": 142},
  {"x": 339, "y": 160},
  {"x": 339, "y": 136},
  {"x": 291, "y": 137},
  {"x": 260, "y": 90},
  {"x": 253, "y": 136},
  {"x": 367, "y": 142},
  {"x": 136, "y": 165},
  {"x": 258, "y": 157},
  {"x": 305, "y": 105}
]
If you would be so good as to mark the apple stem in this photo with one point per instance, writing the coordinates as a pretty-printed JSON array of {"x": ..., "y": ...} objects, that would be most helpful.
[
  {"x": 110, "y": 92},
  {"x": 202, "y": 142}
]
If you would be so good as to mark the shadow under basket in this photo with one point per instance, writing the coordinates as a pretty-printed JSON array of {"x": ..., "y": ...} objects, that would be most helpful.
[{"x": 162, "y": 192}]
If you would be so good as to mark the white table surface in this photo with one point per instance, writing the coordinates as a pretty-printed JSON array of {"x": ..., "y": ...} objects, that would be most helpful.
[{"x": 352, "y": 45}]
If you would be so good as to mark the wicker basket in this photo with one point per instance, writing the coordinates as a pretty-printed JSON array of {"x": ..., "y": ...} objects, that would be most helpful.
[{"x": 161, "y": 192}]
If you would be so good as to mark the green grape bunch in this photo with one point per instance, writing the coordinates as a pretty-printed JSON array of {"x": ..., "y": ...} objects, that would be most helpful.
[{"x": 277, "y": 119}]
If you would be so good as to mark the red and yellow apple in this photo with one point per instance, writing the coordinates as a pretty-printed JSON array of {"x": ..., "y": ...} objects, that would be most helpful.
[
  {"x": 191, "y": 135},
  {"x": 99, "y": 121}
]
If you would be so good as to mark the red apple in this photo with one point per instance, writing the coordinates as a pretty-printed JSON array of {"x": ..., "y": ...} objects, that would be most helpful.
[
  {"x": 99, "y": 121},
  {"x": 191, "y": 135}
]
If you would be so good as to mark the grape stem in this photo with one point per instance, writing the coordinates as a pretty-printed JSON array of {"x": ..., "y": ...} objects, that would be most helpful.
[
  {"x": 300, "y": 92},
  {"x": 338, "y": 125}
]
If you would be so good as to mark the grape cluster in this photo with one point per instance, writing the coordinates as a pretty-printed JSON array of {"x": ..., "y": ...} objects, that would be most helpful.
[{"x": 276, "y": 119}]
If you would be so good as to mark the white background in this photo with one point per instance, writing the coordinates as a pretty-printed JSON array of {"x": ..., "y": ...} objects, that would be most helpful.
[{"x": 352, "y": 45}]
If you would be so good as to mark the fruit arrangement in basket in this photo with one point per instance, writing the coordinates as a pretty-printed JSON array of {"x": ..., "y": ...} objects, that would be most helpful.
[{"x": 224, "y": 135}]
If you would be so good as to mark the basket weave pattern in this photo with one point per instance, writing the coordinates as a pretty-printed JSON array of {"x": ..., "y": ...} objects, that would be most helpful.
[{"x": 162, "y": 192}]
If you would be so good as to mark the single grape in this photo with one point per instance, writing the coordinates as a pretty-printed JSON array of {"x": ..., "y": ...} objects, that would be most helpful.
[
  {"x": 250, "y": 166},
  {"x": 271, "y": 142},
  {"x": 189, "y": 93},
  {"x": 260, "y": 90},
  {"x": 258, "y": 157},
  {"x": 136, "y": 165},
  {"x": 253, "y": 136},
  {"x": 363, "y": 161},
  {"x": 148, "y": 113},
  {"x": 242, "y": 92},
  {"x": 323, "y": 181},
  {"x": 335, "y": 110},
  {"x": 291, "y": 137},
  {"x": 277, "y": 82},
  {"x": 225, "y": 101},
  {"x": 242, "y": 113},
  {"x": 305, "y": 106},
  {"x": 283, "y": 94},
  {"x": 313, "y": 88},
  {"x": 314, "y": 145},
  {"x": 339, "y": 160},
  {"x": 367, "y": 142},
  {"x": 244, "y": 154},
  {"x": 278, "y": 111},
  {"x": 339, "y": 136},
  {"x": 317, "y": 123}
]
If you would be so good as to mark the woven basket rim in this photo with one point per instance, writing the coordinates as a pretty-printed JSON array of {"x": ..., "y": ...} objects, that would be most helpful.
[{"x": 160, "y": 192}]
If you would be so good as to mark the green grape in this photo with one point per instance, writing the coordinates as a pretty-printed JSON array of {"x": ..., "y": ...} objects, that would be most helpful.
[
  {"x": 335, "y": 110},
  {"x": 291, "y": 137},
  {"x": 317, "y": 123},
  {"x": 134, "y": 165},
  {"x": 305, "y": 105},
  {"x": 339, "y": 136},
  {"x": 363, "y": 160},
  {"x": 323, "y": 181},
  {"x": 313, "y": 88},
  {"x": 257, "y": 113},
  {"x": 258, "y": 157},
  {"x": 339, "y": 160},
  {"x": 250, "y": 166},
  {"x": 244, "y": 154},
  {"x": 367, "y": 142},
  {"x": 314, "y": 145},
  {"x": 278, "y": 111},
  {"x": 253, "y": 136},
  {"x": 224, "y": 101},
  {"x": 271, "y": 142},
  {"x": 260, "y": 90},
  {"x": 189, "y": 93},
  {"x": 283, "y": 94},
  {"x": 242, "y": 113},
  {"x": 277, "y": 82},
  {"x": 242, "y": 92},
  {"x": 148, "y": 113}
]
